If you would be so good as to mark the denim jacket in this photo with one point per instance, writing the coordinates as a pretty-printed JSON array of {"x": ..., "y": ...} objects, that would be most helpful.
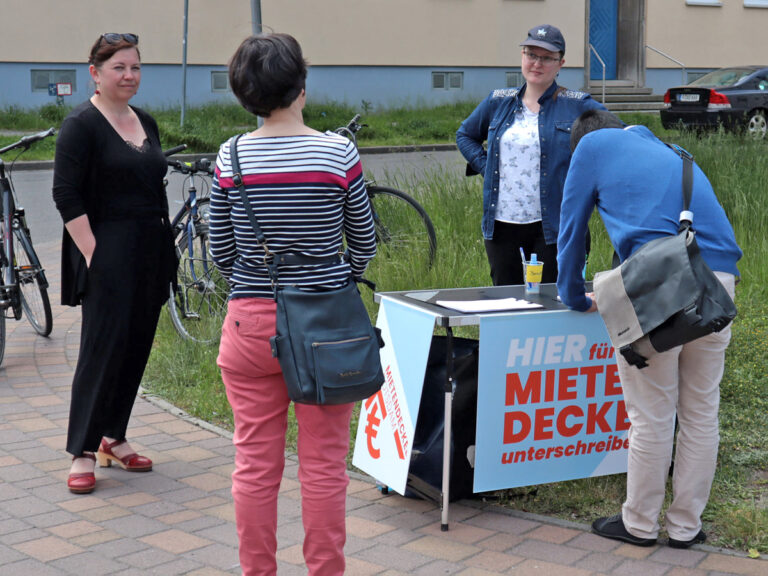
[{"x": 493, "y": 117}]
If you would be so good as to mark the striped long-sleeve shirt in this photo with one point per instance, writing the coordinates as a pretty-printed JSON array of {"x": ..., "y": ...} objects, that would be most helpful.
[{"x": 305, "y": 192}]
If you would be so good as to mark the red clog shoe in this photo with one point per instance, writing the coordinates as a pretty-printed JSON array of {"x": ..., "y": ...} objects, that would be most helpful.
[
  {"x": 82, "y": 482},
  {"x": 132, "y": 462}
]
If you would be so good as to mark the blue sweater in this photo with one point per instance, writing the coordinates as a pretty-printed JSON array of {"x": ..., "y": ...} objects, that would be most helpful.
[{"x": 635, "y": 180}]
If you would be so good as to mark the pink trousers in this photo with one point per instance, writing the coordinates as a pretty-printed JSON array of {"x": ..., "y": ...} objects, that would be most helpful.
[{"x": 257, "y": 394}]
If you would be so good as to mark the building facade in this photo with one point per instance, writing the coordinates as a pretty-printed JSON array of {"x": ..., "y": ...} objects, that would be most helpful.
[{"x": 377, "y": 52}]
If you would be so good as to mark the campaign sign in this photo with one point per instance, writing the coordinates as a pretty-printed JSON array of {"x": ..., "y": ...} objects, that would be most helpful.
[
  {"x": 385, "y": 430},
  {"x": 549, "y": 401}
]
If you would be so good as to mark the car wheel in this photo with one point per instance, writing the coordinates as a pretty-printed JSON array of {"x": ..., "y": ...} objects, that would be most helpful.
[{"x": 757, "y": 127}]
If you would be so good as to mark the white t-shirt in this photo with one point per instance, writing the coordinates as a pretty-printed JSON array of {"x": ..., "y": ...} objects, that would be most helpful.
[{"x": 519, "y": 167}]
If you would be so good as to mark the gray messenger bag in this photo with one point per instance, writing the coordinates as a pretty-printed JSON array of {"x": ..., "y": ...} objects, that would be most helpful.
[{"x": 664, "y": 295}]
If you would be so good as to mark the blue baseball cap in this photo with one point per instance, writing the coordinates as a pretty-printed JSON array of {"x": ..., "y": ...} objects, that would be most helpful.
[{"x": 547, "y": 37}]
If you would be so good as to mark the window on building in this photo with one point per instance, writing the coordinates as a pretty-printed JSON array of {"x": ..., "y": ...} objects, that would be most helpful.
[
  {"x": 514, "y": 79},
  {"x": 220, "y": 81},
  {"x": 703, "y": 2},
  {"x": 41, "y": 78},
  {"x": 755, "y": 3},
  {"x": 448, "y": 80}
]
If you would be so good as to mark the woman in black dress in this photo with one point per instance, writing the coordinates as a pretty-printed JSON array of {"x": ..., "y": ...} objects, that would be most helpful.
[{"x": 117, "y": 254}]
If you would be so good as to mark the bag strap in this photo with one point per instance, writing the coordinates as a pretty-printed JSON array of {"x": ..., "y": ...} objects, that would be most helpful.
[
  {"x": 686, "y": 216},
  {"x": 271, "y": 261}
]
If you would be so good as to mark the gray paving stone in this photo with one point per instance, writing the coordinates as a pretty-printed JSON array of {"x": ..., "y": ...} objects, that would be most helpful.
[
  {"x": 148, "y": 558},
  {"x": 54, "y": 492},
  {"x": 199, "y": 524},
  {"x": 185, "y": 494},
  {"x": 28, "y": 506},
  {"x": 10, "y": 525},
  {"x": 155, "y": 509},
  {"x": 223, "y": 445},
  {"x": 122, "y": 548},
  {"x": 12, "y": 408},
  {"x": 223, "y": 533},
  {"x": 10, "y": 492},
  {"x": 353, "y": 545},
  {"x": 503, "y": 523},
  {"x": 687, "y": 558},
  {"x": 177, "y": 566},
  {"x": 88, "y": 564},
  {"x": 599, "y": 562},
  {"x": 31, "y": 568},
  {"x": 19, "y": 473},
  {"x": 557, "y": 553},
  {"x": 22, "y": 536},
  {"x": 395, "y": 558},
  {"x": 38, "y": 482},
  {"x": 375, "y": 512},
  {"x": 135, "y": 526},
  {"x": 439, "y": 567},
  {"x": 49, "y": 519},
  {"x": 177, "y": 470},
  {"x": 28, "y": 443},
  {"x": 640, "y": 568},
  {"x": 9, "y": 556},
  {"x": 218, "y": 555},
  {"x": 152, "y": 483}
]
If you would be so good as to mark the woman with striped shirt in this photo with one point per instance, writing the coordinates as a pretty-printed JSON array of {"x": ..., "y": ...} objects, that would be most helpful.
[{"x": 307, "y": 192}]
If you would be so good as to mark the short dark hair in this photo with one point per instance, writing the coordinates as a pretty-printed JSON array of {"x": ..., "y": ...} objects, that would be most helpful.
[
  {"x": 267, "y": 72},
  {"x": 590, "y": 121},
  {"x": 101, "y": 51}
]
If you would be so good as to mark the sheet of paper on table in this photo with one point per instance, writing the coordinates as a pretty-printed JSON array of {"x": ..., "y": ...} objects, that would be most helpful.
[{"x": 495, "y": 305}]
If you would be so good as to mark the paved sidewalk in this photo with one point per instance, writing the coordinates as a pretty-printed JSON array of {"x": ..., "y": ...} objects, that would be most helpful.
[{"x": 179, "y": 518}]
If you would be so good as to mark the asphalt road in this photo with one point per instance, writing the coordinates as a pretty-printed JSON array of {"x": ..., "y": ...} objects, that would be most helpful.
[{"x": 33, "y": 187}]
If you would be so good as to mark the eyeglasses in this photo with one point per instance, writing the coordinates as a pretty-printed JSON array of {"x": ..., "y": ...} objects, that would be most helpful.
[
  {"x": 546, "y": 60},
  {"x": 115, "y": 38}
]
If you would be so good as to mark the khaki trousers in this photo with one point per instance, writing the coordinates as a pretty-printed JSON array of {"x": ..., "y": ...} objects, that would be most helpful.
[{"x": 684, "y": 381}]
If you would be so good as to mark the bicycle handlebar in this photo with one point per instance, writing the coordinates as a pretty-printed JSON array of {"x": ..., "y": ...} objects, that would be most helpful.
[
  {"x": 202, "y": 165},
  {"x": 27, "y": 141},
  {"x": 353, "y": 125},
  {"x": 175, "y": 150}
]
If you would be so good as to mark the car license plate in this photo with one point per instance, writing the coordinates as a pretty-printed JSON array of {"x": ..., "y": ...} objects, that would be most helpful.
[{"x": 687, "y": 97}]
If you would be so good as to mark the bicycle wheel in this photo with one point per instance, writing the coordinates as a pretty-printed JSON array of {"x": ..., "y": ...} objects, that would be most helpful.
[
  {"x": 33, "y": 286},
  {"x": 199, "y": 302},
  {"x": 404, "y": 231}
]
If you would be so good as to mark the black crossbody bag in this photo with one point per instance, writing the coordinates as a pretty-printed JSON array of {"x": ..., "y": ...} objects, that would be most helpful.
[
  {"x": 664, "y": 294},
  {"x": 325, "y": 343}
]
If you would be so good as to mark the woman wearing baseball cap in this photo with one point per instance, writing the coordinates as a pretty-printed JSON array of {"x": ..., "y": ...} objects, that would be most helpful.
[{"x": 526, "y": 158}]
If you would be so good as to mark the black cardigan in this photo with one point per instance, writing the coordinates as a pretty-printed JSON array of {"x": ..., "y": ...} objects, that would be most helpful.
[{"x": 97, "y": 173}]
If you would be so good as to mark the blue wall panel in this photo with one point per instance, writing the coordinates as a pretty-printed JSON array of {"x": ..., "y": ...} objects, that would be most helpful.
[{"x": 388, "y": 86}]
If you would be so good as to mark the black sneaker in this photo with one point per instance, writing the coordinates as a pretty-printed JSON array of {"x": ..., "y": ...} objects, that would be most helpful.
[
  {"x": 613, "y": 527},
  {"x": 698, "y": 539}
]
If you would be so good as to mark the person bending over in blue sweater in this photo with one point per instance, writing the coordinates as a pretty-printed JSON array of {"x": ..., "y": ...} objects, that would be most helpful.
[{"x": 635, "y": 181}]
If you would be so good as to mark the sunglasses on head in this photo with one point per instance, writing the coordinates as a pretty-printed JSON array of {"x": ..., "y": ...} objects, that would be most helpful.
[{"x": 115, "y": 38}]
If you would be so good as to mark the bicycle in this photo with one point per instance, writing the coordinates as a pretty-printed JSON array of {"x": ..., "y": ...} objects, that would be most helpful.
[
  {"x": 404, "y": 230},
  {"x": 24, "y": 288},
  {"x": 197, "y": 302}
]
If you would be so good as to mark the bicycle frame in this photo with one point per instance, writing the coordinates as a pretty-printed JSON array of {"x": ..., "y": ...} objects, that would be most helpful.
[
  {"x": 179, "y": 224},
  {"x": 9, "y": 291}
]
